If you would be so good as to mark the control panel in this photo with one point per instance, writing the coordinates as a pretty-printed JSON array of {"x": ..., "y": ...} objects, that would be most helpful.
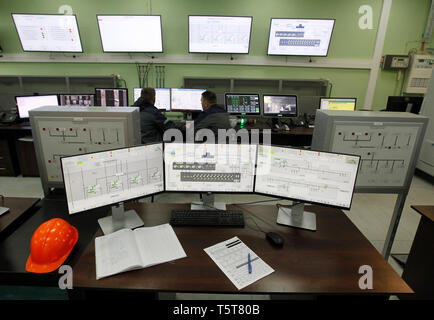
[
  {"x": 419, "y": 74},
  {"x": 395, "y": 62}
]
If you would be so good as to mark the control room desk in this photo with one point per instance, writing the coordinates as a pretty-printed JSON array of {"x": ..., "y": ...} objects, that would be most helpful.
[{"x": 325, "y": 262}]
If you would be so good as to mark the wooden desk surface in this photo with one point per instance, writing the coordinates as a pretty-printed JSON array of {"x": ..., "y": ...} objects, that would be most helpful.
[
  {"x": 426, "y": 211},
  {"x": 16, "y": 126},
  {"x": 322, "y": 262},
  {"x": 17, "y": 206}
]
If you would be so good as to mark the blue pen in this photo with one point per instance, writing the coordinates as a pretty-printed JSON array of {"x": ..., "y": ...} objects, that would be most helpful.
[{"x": 249, "y": 263}]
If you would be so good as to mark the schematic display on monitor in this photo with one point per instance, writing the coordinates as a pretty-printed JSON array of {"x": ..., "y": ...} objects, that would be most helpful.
[
  {"x": 98, "y": 179},
  {"x": 237, "y": 103},
  {"x": 300, "y": 37},
  {"x": 186, "y": 99},
  {"x": 111, "y": 97},
  {"x": 348, "y": 104},
  {"x": 84, "y": 100},
  {"x": 27, "y": 103},
  {"x": 209, "y": 167},
  {"x": 280, "y": 105},
  {"x": 217, "y": 34},
  {"x": 130, "y": 33},
  {"x": 48, "y": 32},
  {"x": 162, "y": 97},
  {"x": 307, "y": 176}
]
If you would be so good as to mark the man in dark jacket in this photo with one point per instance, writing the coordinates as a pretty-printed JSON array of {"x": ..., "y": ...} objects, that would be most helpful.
[
  {"x": 213, "y": 116},
  {"x": 152, "y": 122}
]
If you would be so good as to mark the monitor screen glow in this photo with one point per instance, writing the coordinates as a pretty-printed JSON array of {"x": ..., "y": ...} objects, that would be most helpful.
[
  {"x": 48, "y": 32},
  {"x": 300, "y": 37},
  {"x": 242, "y": 103},
  {"x": 346, "y": 104},
  {"x": 209, "y": 167},
  {"x": 162, "y": 97},
  {"x": 186, "y": 99},
  {"x": 98, "y": 179},
  {"x": 218, "y": 34},
  {"x": 280, "y": 105},
  {"x": 25, "y": 104},
  {"x": 130, "y": 33},
  {"x": 306, "y": 175}
]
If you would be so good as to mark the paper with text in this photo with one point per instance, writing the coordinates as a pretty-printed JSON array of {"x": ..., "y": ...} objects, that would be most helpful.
[{"x": 231, "y": 256}]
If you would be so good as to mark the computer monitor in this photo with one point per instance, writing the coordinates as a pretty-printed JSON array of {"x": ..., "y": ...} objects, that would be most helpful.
[
  {"x": 27, "y": 103},
  {"x": 348, "y": 104},
  {"x": 306, "y": 176},
  {"x": 279, "y": 105},
  {"x": 162, "y": 97},
  {"x": 404, "y": 104},
  {"x": 130, "y": 33},
  {"x": 48, "y": 32},
  {"x": 205, "y": 167},
  {"x": 300, "y": 37},
  {"x": 84, "y": 100},
  {"x": 242, "y": 103},
  {"x": 111, "y": 97},
  {"x": 219, "y": 34},
  {"x": 110, "y": 177},
  {"x": 186, "y": 99}
]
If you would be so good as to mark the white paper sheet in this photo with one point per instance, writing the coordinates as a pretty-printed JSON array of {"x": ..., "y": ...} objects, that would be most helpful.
[{"x": 231, "y": 256}]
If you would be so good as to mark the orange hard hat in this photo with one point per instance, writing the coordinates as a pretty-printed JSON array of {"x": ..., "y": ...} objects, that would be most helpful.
[{"x": 51, "y": 244}]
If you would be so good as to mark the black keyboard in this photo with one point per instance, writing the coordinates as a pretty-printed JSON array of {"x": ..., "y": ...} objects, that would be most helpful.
[{"x": 226, "y": 218}]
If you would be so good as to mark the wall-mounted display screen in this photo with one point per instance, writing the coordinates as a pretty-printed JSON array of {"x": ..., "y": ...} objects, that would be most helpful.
[{"x": 48, "y": 32}]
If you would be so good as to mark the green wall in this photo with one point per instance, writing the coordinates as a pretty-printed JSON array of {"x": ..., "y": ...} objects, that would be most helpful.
[{"x": 406, "y": 23}]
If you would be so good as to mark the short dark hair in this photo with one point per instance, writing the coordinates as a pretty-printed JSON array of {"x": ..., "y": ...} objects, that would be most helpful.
[
  {"x": 209, "y": 97},
  {"x": 148, "y": 95}
]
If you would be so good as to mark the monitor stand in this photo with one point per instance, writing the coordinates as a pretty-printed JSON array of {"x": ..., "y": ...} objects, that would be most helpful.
[
  {"x": 295, "y": 216},
  {"x": 120, "y": 219},
  {"x": 208, "y": 203}
]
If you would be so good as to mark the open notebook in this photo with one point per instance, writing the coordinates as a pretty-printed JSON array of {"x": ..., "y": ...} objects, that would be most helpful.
[{"x": 127, "y": 249}]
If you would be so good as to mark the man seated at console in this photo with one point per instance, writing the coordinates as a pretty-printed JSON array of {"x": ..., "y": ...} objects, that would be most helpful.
[
  {"x": 213, "y": 116},
  {"x": 152, "y": 122}
]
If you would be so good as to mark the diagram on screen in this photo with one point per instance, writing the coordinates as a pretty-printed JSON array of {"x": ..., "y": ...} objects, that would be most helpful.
[
  {"x": 209, "y": 167},
  {"x": 308, "y": 175},
  {"x": 131, "y": 171}
]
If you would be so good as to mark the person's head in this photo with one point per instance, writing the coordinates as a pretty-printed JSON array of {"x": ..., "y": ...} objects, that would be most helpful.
[
  {"x": 148, "y": 95},
  {"x": 208, "y": 99}
]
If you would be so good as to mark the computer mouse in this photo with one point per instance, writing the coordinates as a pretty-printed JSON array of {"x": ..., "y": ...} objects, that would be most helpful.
[{"x": 275, "y": 239}]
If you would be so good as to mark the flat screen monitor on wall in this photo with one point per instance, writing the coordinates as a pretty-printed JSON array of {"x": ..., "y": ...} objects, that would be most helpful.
[
  {"x": 130, "y": 33},
  {"x": 219, "y": 34},
  {"x": 300, "y": 37},
  {"x": 48, "y": 32}
]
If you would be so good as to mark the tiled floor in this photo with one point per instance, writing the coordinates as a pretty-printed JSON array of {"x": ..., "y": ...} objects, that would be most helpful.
[{"x": 371, "y": 213}]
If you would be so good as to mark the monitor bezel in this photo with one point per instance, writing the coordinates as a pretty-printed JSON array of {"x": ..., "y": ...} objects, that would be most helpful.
[
  {"x": 219, "y": 16},
  {"x": 306, "y": 201},
  {"x": 128, "y": 100},
  {"x": 328, "y": 98},
  {"x": 278, "y": 115},
  {"x": 134, "y": 15},
  {"x": 170, "y": 93},
  {"x": 110, "y": 204},
  {"x": 184, "y": 110},
  {"x": 75, "y": 94},
  {"x": 47, "y": 14},
  {"x": 300, "y": 55},
  {"x": 204, "y": 191},
  {"x": 245, "y": 113},
  {"x": 32, "y": 95}
]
